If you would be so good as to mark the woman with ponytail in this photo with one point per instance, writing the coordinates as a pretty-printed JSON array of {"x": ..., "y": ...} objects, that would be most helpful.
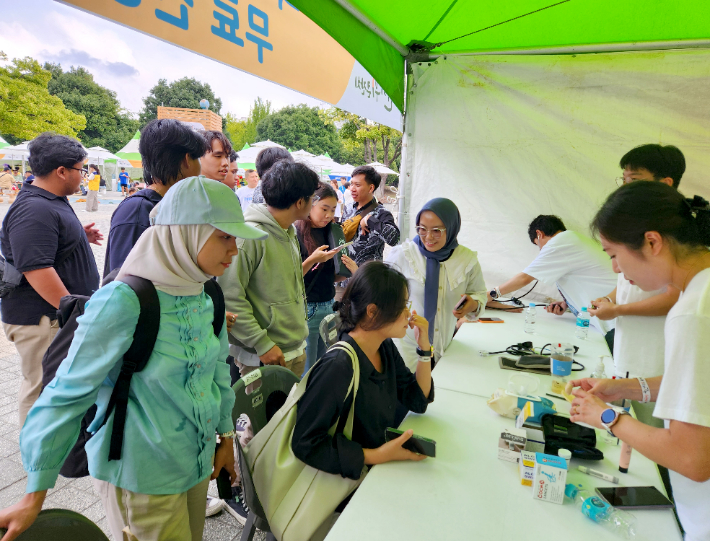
[
  {"x": 657, "y": 238},
  {"x": 374, "y": 310},
  {"x": 319, "y": 239}
]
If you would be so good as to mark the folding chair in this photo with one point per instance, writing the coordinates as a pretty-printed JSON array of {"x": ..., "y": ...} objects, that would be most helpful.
[
  {"x": 329, "y": 329},
  {"x": 260, "y": 404},
  {"x": 61, "y": 525}
]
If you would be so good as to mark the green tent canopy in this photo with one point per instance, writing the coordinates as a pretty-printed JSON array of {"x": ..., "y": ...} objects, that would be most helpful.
[{"x": 380, "y": 35}]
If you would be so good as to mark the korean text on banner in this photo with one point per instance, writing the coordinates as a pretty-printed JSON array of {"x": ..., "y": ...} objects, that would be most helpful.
[{"x": 267, "y": 38}]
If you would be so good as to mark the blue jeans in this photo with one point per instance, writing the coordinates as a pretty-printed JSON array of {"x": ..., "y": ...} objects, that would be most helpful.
[{"x": 315, "y": 347}]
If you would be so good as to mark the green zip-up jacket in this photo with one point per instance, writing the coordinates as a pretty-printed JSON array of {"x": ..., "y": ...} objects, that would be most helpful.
[{"x": 264, "y": 287}]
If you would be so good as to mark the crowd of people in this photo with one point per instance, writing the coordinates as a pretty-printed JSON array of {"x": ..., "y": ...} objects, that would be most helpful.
[{"x": 281, "y": 250}]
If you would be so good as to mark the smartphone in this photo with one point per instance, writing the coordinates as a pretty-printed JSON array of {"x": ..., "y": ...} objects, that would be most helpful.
[
  {"x": 490, "y": 320},
  {"x": 416, "y": 444},
  {"x": 341, "y": 247},
  {"x": 635, "y": 497},
  {"x": 460, "y": 303}
]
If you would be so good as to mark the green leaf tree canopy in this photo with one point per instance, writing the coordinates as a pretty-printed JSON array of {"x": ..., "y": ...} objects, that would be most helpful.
[
  {"x": 107, "y": 124},
  {"x": 186, "y": 92},
  {"x": 301, "y": 127},
  {"x": 26, "y": 106},
  {"x": 244, "y": 131}
]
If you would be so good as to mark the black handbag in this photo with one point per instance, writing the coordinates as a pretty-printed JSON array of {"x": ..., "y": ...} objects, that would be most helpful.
[{"x": 561, "y": 433}]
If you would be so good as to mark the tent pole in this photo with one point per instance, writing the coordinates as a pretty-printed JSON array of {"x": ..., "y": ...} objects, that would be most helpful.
[
  {"x": 360, "y": 16},
  {"x": 599, "y": 48},
  {"x": 404, "y": 175}
]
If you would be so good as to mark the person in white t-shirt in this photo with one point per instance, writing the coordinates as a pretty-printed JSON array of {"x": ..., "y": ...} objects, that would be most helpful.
[
  {"x": 246, "y": 193},
  {"x": 641, "y": 315},
  {"x": 659, "y": 238},
  {"x": 339, "y": 207},
  {"x": 575, "y": 264}
]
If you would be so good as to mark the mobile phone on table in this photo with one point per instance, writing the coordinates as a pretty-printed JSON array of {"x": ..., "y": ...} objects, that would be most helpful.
[
  {"x": 635, "y": 497},
  {"x": 461, "y": 303},
  {"x": 415, "y": 444},
  {"x": 341, "y": 247},
  {"x": 490, "y": 320}
]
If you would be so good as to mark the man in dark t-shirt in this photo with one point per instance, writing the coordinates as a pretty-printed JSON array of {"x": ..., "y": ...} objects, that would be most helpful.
[
  {"x": 44, "y": 240},
  {"x": 170, "y": 152}
]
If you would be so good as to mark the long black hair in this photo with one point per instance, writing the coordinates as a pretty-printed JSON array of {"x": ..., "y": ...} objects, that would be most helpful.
[
  {"x": 643, "y": 206},
  {"x": 374, "y": 283},
  {"x": 304, "y": 227}
]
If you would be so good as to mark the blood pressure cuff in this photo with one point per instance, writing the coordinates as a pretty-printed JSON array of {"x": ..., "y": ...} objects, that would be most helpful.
[{"x": 561, "y": 433}]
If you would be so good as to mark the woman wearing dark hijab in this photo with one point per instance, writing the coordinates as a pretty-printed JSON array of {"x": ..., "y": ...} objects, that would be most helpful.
[{"x": 441, "y": 275}]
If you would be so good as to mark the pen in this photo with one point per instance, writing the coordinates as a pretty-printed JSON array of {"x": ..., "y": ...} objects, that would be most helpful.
[{"x": 598, "y": 474}]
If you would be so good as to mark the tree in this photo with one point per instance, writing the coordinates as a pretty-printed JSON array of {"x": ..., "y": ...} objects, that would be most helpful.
[
  {"x": 244, "y": 131},
  {"x": 186, "y": 92},
  {"x": 107, "y": 124},
  {"x": 26, "y": 106},
  {"x": 376, "y": 141},
  {"x": 301, "y": 127}
]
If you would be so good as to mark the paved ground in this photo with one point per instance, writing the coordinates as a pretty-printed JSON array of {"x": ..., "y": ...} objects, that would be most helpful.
[{"x": 78, "y": 494}]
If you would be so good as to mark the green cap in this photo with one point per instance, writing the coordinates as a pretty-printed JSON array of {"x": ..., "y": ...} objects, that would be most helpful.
[{"x": 199, "y": 200}]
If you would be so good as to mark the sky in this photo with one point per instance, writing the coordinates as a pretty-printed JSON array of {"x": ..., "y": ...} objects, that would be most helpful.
[{"x": 116, "y": 56}]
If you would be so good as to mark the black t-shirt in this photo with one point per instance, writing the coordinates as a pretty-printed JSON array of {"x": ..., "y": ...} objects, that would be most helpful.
[
  {"x": 319, "y": 282},
  {"x": 39, "y": 231},
  {"x": 325, "y": 401},
  {"x": 128, "y": 222}
]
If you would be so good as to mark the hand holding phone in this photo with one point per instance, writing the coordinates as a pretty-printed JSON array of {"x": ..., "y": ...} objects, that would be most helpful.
[
  {"x": 460, "y": 304},
  {"x": 341, "y": 247},
  {"x": 415, "y": 444}
]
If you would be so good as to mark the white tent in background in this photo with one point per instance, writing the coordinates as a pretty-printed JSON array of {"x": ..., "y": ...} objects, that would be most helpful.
[
  {"x": 302, "y": 154},
  {"x": 99, "y": 155},
  {"x": 3, "y": 143},
  {"x": 382, "y": 169},
  {"x": 266, "y": 144},
  {"x": 19, "y": 153},
  {"x": 345, "y": 170}
]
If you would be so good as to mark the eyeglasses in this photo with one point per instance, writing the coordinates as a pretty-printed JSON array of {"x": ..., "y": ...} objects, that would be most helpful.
[
  {"x": 83, "y": 171},
  {"x": 408, "y": 306},
  {"x": 435, "y": 232}
]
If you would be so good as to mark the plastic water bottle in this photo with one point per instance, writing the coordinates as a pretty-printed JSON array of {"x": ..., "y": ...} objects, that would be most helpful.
[
  {"x": 530, "y": 319},
  {"x": 592, "y": 506},
  {"x": 582, "y": 324},
  {"x": 599, "y": 372}
]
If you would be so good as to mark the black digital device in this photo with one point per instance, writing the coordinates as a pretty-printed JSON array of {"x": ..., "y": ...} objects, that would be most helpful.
[
  {"x": 415, "y": 444},
  {"x": 460, "y": 304},
  {"x": 635, "y": 497}
]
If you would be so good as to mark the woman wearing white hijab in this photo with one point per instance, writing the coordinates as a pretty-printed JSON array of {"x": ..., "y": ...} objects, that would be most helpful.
[{"x": 177, "y": 404}]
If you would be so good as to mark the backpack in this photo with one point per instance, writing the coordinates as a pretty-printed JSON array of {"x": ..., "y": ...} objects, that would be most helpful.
[{"x": 134, "y": 360}]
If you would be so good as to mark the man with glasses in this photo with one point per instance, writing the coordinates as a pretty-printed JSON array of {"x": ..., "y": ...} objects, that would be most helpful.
[
  {"x": 44, "y": 241},
  {"x": 574, "y": 263},
  {"x": 652, "y": 162},
  {"x": 641, "y": 315}
]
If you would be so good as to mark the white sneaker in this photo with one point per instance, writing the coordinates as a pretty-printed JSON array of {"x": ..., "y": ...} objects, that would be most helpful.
[{"x": 214, "y": 506}]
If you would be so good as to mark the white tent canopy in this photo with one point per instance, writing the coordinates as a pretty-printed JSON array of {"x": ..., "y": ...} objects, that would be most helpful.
[
  {"x": 511, "y": 137},
  {"x": 382, "y": 169},
  {"x": 98, "y": 154}
]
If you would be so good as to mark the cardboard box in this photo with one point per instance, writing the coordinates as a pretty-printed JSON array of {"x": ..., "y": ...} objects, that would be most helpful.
[
  {"x": 549, "y": 478},
  {"x": 510, "y": 443},
  {"x": 526, "y": 467}
]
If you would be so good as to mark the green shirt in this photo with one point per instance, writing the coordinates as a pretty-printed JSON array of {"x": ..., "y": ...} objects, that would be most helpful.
[{"x": 176, "y": 403}]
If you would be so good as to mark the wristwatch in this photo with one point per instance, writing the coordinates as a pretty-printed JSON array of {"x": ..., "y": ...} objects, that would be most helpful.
[
  {"x": 425, "y": 352},
  {"x": 495, "y": 293},
  {"x": 610, "y": 417}
]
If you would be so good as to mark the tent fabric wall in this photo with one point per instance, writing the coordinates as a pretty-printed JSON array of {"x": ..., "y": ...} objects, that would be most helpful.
[{"x": 511, "y": 137}]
